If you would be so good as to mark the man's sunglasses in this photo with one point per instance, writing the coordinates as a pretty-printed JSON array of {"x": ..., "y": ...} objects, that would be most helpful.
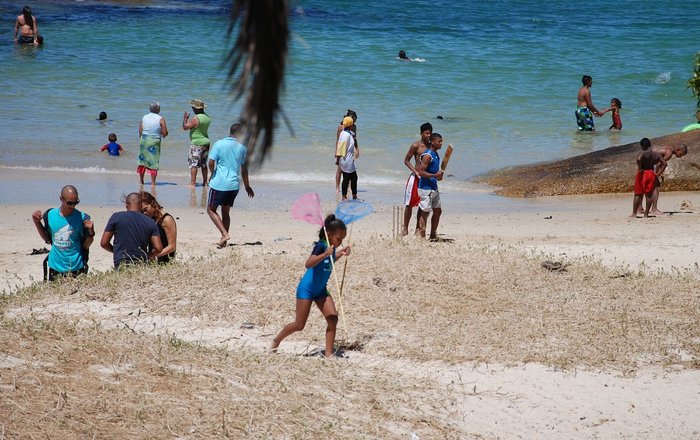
[{"x": 71, "y": 203}]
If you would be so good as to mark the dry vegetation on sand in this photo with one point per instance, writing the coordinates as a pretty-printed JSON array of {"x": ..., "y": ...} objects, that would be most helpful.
[{"x": 160, "y": 352}]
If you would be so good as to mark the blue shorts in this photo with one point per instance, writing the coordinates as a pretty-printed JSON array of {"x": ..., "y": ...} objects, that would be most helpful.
[
  {"x": 305, "y": 294},
  {"x": 218, "y": 198}
]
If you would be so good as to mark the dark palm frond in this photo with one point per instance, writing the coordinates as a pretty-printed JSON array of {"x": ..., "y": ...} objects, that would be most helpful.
[{"x": 256, "y": 68}]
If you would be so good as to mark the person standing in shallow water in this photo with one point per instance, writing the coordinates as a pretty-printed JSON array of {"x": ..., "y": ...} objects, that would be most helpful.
[
  {"x": 584, "y": 106},
  {"x": 26, "y": 29},
  {"x": 199, "y": 140},
  {"x": 152, "y": 130},
  {"x": 338, "y": 131}
]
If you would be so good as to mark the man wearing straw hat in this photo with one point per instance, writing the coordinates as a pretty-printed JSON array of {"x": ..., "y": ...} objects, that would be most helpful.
[{"x": 199, "y": 139}]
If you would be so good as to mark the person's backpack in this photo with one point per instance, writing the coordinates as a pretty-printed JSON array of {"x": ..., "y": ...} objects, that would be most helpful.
[{"x": 83, "y": 236}]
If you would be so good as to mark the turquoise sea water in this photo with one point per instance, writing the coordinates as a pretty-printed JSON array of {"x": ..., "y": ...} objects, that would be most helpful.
[{"x": 503, "y": 74}]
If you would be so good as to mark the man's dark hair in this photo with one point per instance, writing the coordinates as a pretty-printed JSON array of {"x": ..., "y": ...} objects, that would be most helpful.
[
  {"x": 426, "y": 126},
  {"x": 133, "y": 198},
  {"x": 586, "y": 80},
  {"x": 235, "y": 129},
  {"x": 435, "y": 136},
  {"x": 645, "y": 143}
]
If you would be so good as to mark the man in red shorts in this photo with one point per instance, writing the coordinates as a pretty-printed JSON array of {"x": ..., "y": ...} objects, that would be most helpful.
[
  {"x": 650, "y": 165},
  {"x": 411, "y": 198}
]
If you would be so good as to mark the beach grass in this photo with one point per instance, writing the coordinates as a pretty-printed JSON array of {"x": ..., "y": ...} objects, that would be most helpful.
[{"x": 160, "y": 351}]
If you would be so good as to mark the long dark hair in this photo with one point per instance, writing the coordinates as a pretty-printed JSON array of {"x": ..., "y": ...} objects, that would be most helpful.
[
  {"x": 28, "y": 19},
  {"x": 332, "y": 225},
  {"x": 149, "y": 199}
]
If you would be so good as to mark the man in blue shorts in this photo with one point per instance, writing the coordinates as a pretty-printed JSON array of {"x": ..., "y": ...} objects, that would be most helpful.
[
  {"x": 584, "y": 106},
  {"x": 227, "y": 166}
]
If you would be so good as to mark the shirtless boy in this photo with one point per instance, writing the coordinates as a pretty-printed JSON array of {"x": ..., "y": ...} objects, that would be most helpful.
[
  {"x": 584, "y": 106},
  {"x": 667, "y": 152},
  {"x": 650, "y": 165},
  {"x": 414, "y": 152}
]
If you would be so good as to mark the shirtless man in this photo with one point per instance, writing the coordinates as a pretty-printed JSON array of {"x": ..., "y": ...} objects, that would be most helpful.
[
  {"x": 414, "y": 152},
  {"x": 667, "y": 152},
  {"x": 650, "y": 165},
  {"x": 26, "y": 27},
  {"x": 584, "y": 106}
]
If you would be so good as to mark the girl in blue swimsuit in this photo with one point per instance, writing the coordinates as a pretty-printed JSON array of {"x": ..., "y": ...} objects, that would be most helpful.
[{"x": 312, "y": 287}]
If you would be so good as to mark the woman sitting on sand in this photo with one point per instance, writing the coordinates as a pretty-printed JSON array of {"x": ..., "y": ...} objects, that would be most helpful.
[
  {"x": 26, "y": 27},
  {"x": 166, "y": 226}
]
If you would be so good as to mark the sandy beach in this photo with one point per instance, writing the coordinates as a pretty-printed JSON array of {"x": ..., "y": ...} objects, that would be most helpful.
[
  {"x": 467, "y": 338},
  {"x": 564, "y": 227}
]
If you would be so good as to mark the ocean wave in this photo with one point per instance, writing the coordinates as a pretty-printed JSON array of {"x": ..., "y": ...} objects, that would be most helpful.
[
  {"x": 86, "y": 170},
  {"x": 663, "y": 78},
  {"x": 291, "y": 177}
]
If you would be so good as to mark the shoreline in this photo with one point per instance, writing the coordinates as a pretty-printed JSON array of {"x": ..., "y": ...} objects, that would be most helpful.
[{"x": 108, "y": 188}]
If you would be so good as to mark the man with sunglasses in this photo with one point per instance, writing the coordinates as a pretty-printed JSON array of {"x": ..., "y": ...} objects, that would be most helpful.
[{"x": 70, "y": 234}]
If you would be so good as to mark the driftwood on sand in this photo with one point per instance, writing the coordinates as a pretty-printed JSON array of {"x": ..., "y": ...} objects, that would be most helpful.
[{"x": 605, "y": 171}]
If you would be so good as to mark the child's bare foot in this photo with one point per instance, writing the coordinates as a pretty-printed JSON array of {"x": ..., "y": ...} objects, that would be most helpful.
[
  {"x": 274, "y": 346},
  {"x": 657, "y": 212},
  {"x": 404, "y": 231}
]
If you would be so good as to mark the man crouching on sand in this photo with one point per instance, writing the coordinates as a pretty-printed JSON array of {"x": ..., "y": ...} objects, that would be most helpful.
[{"x": 650, "y": 165}]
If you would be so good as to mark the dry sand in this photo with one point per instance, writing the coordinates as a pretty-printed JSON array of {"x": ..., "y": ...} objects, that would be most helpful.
[{"x": 469, "y": 338}]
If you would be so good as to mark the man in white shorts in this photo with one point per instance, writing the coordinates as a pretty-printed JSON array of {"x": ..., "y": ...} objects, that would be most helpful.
[{"x": 430, "y": 172}]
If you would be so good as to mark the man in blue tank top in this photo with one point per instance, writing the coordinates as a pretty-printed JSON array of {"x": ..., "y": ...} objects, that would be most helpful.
[
  {"x": 69, "y": 232},
  {"x": 430, "y": 172}
]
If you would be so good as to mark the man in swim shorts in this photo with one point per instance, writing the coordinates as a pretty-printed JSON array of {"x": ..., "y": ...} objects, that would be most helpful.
[
  {"x": 584, "y": 106},
  {"x": 650, "y": 165},
  {"x": 411, "y": 198},
  {"x": 667, "y": 152},
  {"x": 199, "y": 140}
]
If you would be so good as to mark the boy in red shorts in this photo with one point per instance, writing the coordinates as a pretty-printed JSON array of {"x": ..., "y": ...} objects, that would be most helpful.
[{"x": 650, "y": 165}]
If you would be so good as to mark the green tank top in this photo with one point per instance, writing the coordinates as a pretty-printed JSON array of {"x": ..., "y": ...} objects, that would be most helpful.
[{"x": 200, "y": 134}]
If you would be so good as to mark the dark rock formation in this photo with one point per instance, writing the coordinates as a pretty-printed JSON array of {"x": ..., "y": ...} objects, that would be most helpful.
[{"x": 605, "y": 171}]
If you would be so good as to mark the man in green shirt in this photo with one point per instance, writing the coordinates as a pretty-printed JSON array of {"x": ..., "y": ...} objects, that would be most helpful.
[{"x": 199, "y": 140}]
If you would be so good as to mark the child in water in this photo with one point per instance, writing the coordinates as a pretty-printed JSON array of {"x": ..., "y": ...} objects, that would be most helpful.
[
  {"x": 113, "y": 148},
  {"x": 615, "y": 106},
  {"x": 312, "y": 287}
]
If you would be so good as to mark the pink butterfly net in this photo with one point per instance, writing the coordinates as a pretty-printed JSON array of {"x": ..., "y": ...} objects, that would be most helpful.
[{"x": 307, "y": 208}]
